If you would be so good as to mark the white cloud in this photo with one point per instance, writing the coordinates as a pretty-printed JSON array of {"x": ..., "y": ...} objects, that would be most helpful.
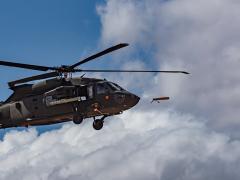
[
  {"x": 152, "y": 141},
  {"x": 124, "y": 21},
  {"x": 201, "y": 37},
  {"x": 136, "y": 145}
]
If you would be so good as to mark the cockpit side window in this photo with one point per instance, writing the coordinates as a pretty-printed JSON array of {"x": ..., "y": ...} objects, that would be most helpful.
[{"x": 101, "y": 88}]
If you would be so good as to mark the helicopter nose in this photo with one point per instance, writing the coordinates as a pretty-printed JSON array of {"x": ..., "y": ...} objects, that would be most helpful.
[
  {"x": 136, "y": 99},
  {"x": 127, "y": 100},
  {"x": 133, "y": 100}
]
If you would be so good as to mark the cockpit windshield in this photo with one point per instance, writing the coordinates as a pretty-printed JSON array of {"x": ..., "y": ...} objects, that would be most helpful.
[
  {"x": 114, "y": 86},
  {"x": 105, "y": 87}
]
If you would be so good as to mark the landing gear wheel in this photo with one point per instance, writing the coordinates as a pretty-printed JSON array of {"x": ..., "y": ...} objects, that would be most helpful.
[
  {"x": 97, "y": 124},
  {"x": 77, "y": 119}
]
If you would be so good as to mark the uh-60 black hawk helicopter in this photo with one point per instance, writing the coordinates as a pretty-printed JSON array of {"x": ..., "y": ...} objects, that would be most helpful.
[{"x": 65, "y": 98}]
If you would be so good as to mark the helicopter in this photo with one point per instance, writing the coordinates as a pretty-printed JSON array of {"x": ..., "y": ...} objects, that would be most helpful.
[{"x": 58, "y": 97}]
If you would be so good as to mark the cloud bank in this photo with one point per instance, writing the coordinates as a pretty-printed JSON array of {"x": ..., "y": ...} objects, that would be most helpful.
[
  {"x": 201, "y": 37},
  {"x": 188, "y": 138},
  {"x": 167, "y": 146}
]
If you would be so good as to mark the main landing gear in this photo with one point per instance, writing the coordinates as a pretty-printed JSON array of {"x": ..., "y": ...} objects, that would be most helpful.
[
  {"x": 77, "y": 119},
  {"x": 98, "y": 123}
]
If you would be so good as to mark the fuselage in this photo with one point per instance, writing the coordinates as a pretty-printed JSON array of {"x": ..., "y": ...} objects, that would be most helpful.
[{"x": 58, "y": 100}]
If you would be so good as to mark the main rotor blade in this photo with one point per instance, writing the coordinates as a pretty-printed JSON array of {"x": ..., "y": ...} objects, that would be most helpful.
[
  {"x": 33, "y": 78},
  {"x": 27, "y": 66},
  {"x": 106, "y": 51},
  {"x": 134, "y": 71}
]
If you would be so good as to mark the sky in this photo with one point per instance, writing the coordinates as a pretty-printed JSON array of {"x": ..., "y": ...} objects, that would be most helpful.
[
  {"x": 49, "y": 33},
  {"x": 45, "y": 33},
  {"x": 193, "y": 136}
]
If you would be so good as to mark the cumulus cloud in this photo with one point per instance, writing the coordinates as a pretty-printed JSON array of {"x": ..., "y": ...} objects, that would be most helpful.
[
  {"x": 152, "y": 141},
  {"x": 201, "y": 37},
  {"x": 137, "y": 145}
]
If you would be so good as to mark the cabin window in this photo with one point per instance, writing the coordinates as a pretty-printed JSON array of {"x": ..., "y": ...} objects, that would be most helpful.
[{"x": 81, "y": 91}]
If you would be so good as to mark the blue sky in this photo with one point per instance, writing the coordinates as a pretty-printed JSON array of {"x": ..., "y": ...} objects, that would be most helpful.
[{"x": 45, "y": 32}]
